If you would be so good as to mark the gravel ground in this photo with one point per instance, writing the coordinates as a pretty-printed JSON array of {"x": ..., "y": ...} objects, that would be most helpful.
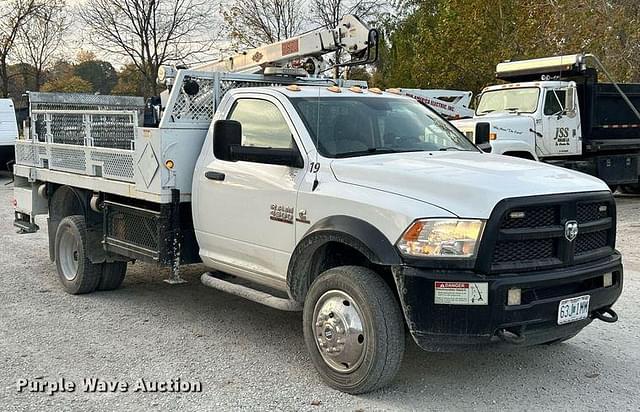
[{"x": 250, "y": 357}]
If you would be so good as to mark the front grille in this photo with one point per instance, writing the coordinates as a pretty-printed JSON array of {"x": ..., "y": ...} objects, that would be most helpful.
[
  {"x": 588, "y": 212},
  {"x": 589, "y": 242},
  {"x": 533, "y": 217},
  {"x": 529, "y": 233},
  {"x": 524, "y": 250}
]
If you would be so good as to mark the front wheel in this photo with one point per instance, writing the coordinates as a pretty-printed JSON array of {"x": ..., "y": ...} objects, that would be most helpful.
[{"x": 353, "y": 329}]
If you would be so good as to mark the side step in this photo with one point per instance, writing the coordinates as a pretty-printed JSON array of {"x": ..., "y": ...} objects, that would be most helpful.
[{"x": 248, "y": 293}]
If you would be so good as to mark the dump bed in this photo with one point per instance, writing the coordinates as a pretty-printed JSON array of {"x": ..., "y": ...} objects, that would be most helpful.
[{"x": 609, "y": 120}]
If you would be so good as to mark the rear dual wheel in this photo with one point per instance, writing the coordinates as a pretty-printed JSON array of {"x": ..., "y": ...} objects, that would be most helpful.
[
  {"x": 633, "y": 189},
  {"x": 76, "y": 272},
  {"x": 353, "y": 329}
]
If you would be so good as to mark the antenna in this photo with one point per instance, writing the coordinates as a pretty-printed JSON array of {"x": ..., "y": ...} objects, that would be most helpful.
[{"x": 316, "y": 168}]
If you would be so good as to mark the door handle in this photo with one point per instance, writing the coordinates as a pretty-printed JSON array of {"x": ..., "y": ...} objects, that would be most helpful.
[{"x": 214, "y": 176}]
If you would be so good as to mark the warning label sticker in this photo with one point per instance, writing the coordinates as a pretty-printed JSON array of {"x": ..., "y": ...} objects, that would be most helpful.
[{"x": 461, "y": 293}]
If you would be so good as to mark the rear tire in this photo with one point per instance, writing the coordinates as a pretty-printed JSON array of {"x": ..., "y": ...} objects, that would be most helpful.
[
  {"x": 75, "y": 271},
  {"x": 633, "y": 189},
  {"x": 353, "y": 329},
  {"x": 112, "y": 275}
]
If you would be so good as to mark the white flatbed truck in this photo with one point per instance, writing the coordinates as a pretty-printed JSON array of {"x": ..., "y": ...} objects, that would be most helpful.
[{"x": 363, "y": 209}]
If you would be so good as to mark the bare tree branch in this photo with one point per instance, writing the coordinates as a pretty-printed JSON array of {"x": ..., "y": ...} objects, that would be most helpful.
[
  {"x": 149, "y": 32},
  {"x": 250, "y": 23},
  {"x": 40, "y": 41}
]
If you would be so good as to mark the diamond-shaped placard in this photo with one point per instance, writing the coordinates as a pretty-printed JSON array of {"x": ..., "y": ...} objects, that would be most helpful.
[{"x": 148, "y": 164}]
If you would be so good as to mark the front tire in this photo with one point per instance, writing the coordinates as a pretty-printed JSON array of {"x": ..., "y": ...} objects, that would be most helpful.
[
  {"x": 353, "y": 329},
  {"x": 76, "y": 272}
]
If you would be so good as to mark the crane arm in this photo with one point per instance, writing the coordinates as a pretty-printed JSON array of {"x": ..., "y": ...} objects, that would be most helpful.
[{"x": 300, "y": 52}]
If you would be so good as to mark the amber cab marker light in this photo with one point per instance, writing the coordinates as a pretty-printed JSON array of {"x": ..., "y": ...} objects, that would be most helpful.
[
  {"x": 293, "y": 88},
  {"x": 334, "y": 89},
  {"x": 375, "y": 90},
  {"x": 169, "y": 164}
]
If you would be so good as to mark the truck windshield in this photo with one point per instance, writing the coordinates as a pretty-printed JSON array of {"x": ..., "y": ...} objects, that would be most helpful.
[
  {"x": 360, "y": 126},
  {"x": 522, "y": 100}
]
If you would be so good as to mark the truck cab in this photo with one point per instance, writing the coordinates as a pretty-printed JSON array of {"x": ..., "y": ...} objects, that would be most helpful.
[
  {"x": 531, "y": 120},
  {"x": 556, "y": 110}
]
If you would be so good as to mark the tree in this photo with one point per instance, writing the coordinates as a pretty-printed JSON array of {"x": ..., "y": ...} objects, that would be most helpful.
[
  {"x": 251, "y": 23},
  {"x": 73, "y": 84},
  {"x": 130, "y": 82},
  {"x": 148, "y": 32},
  {"x": 41, "y": 39},
  {"x": 457, "y": 43},
  {"x": 14, "y": 16},
  {"x": 100, "y": 74}
]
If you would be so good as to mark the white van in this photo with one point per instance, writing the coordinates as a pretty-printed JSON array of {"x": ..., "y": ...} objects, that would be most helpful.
[{"x": 8, "y": 132}]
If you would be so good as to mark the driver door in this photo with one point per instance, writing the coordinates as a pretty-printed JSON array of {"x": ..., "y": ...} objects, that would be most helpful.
[
  {"x": 249, "y": 216},
  {"x": 560, "y": 130}
]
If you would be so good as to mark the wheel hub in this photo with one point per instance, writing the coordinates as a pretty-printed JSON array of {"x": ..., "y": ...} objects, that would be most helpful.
[
  {"x": 339, "y": 331},
  {"x": 68, "y": 251}
]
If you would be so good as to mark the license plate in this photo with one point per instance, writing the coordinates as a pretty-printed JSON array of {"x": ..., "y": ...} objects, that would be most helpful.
[{"x": 574, "y": 309}]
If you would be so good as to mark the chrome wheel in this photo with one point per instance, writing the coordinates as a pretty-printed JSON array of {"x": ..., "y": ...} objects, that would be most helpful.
[
  {"x": 68, "y": 255},
  {"x": 339, "y": 331}
]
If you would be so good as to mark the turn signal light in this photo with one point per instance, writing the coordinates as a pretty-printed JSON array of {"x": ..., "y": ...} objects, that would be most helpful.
[{"x": 493, "y": 136}]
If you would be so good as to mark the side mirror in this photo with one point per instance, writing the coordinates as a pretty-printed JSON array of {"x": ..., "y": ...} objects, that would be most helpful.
[
  {"x": 267, "y": 155},
  {"x": 570, "y": 99},
  {"x": 226, "y": 133}
]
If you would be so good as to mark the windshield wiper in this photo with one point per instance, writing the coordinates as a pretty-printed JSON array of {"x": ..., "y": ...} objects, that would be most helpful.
[
  {"x": 374, "y": 150},
  {"x": 487, "y": 111},
  {"x": 444, "y": 149}
]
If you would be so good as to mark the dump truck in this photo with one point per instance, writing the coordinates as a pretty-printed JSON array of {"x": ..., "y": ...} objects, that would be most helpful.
[{"x": 557, "y": 110}]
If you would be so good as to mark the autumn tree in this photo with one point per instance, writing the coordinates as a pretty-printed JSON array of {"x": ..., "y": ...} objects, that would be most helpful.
[
  {"x": 73, "y": 84},
  {"x": 457, "y": 43},
  {"x": 130, "y": 82},
  {"x": 99, "y": 73},
  {"x": 149, "y": 33}
]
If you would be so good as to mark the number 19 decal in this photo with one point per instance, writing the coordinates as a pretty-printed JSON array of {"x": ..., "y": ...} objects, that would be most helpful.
[{"x": 314, "y": 167}]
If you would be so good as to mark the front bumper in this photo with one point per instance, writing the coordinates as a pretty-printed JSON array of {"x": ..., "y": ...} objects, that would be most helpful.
[{"x": 448, "y": 328}]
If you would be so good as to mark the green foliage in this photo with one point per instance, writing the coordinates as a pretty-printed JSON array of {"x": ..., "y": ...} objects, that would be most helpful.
[
  {"x": 100, "y": 74},
  {"x": 131, "y": 82},
  {"x": 73, "y": 84},
  {"x": 457, "y": 43}
]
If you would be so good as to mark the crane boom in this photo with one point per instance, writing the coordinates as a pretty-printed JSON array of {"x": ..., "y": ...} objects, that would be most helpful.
[{"x": 299, "y": 56}]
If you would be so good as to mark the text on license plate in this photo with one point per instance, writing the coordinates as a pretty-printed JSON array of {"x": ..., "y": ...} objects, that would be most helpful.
[{"x": 574, "y": 309}]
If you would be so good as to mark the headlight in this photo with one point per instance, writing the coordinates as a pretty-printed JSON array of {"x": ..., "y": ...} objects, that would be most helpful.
[{"x": 442, "y": 238}]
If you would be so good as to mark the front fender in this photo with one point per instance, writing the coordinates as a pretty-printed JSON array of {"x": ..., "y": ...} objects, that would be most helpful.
[
  {"x": 353, "y": 232},
  {"x": 509, "y": 145}
]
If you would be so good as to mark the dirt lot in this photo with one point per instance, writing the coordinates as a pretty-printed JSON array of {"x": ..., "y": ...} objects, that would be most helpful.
[{"x": 251, "y": 357}]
